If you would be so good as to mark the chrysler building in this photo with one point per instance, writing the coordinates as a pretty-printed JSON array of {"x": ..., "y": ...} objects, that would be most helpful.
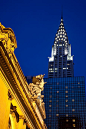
[{"x": 61, "y": 61}]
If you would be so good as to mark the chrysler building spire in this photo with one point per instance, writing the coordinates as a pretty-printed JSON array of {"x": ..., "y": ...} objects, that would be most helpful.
[
  {"x": 62, "y": 13},
  {"x": 61, "y": 61}
]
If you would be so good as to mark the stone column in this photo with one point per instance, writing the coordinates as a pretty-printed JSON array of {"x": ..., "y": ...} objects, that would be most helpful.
[
  {"x": 13, "y": 120},
  {"x": 22, "y": 124}
]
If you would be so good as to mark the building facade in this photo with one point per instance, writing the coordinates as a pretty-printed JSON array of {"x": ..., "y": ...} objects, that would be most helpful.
[
  {"x": 61, "y": 61},
  {"x": 21, "y": 105},
  {"x": 65, "y": 103}
]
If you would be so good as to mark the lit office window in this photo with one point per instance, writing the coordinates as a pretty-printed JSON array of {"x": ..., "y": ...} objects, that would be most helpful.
[
  {"x": 50, "y": 105},
  {"x": 66, "y": 100},
  {"x": 73, "y": 110},
  {"x": 57, "y": 91},
  {"x": 66, "y": 96},
  {"x": 66, "y": 91},
  {"x": 73, "y": 100},
  {"x": 74, "y": 125},
  {"x": 57, "y": 114},
  {"x": 50, "y": 100},
  {"x": 50, "y": 69},
  {"x": 67, "y": 120},
  {"x": 66, "y": 115},
  {"x": 73, "y": 120},
  {"x": 66, "y": 105},
  {"x": 66, "y": 87}
]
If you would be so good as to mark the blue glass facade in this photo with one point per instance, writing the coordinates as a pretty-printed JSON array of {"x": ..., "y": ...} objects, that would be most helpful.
[{"x": 65, "y": 103}]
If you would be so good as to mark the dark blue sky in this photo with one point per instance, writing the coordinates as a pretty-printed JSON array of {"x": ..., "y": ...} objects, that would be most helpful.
[{"x": 35, "y": 23}]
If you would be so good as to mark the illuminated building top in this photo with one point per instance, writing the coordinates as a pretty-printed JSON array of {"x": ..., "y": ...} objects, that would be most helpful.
[{"x": 60, "y": 55}]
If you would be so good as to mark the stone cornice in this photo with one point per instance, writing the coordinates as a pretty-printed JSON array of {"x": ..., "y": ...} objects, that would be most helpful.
[{"x": 18, "y": 88}]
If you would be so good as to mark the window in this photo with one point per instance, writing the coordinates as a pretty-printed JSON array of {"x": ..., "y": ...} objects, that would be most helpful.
[
  {"x": 66, "y": 96},
  {"x": 57, "y": 114},
  {"x": 56, "y": 105},
  {"x": 73, "y": 110},
  {"x": 67, "y": 120},
  {"x": 50, "y": 105},
  {"x": 73, "y": 115},
  {"x": 49, "y": 115},
  {"x": 73, "y": 120},
  {"x": 66, "y": 115},
  {"x": 73, "y": 100},
  {"x": 49, "y": 110},
  {"x": 74, "y": 125},
  {"x": 68, "y": 64},
  {"x": 66, "y": 105},
  {"x": 66, "y": 91},
  {"x": 66, "y": 100},
  {"x": 57, "y": 91},
  {"x": 50, "y": 96}
]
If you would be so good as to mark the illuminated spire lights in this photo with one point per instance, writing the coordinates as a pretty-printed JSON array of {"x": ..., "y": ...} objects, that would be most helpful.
[{"x": 61, "y": 54}]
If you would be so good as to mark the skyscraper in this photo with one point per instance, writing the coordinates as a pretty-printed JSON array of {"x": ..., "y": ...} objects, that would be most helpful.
[
  {"x": 65, "y": 103},
  {"x": 61, "y": 61}
]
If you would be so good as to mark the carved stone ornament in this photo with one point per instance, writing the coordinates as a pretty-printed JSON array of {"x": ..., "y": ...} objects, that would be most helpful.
[
  {"x": 7, "y": 37},
  {"x": 36, "y": 86}
]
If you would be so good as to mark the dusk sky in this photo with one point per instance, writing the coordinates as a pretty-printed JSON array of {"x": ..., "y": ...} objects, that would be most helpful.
[{"x": 35, "y": 23}]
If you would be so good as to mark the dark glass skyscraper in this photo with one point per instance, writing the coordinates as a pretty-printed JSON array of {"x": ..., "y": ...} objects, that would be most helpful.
[
  {"x": 61, "y": 61},
  {"x": 65, "y": 103}
]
